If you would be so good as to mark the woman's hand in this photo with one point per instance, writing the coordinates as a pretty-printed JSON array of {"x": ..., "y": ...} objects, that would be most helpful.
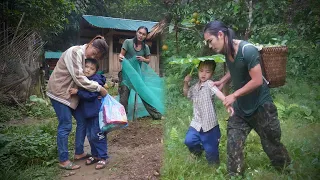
[
  {"x": 103, "y": 92},
  {"x": 73, "y": 91},
  {"x": 141, "y": 58},
  {"x": 121, "y": 57}
]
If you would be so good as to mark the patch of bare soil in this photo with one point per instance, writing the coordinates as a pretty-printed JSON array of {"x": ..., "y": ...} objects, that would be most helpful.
[{"x": 135, "y": 153}]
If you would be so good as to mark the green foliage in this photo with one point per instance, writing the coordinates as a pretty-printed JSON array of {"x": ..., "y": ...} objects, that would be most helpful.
[
  {"x": 274, "y": 22},
  {"x": 34, "y": 172},
  {"x": 46, "y": 16},
  {"x": 39, "y": 108},
  {"x": 28, "y": 148},
  {"x": 193, "y": 62},
  {"x": 8, "y": 113},
  {"x": 22, "y": 147},
  {"x": 296, "y": 104}
]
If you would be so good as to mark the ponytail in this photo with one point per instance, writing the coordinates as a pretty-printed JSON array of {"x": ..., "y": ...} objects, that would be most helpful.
[
  {"x": 230, "y": 34},
  {"x": 214, "y": 27}
]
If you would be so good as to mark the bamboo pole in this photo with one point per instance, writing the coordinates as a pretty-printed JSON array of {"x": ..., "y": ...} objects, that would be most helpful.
[{"x": 15, "y": 33}]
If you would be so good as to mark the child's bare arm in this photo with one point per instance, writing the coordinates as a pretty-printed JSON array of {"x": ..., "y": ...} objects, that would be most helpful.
[
  {"x": 187, "y": 79},
  {"x": 221, "y": 96}
]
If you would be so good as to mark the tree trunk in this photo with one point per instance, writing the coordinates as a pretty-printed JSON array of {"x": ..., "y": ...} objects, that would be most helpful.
[{"x": 250, "y": 19}]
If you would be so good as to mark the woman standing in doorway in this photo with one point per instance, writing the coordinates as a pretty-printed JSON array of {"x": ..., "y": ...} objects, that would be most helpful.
[{"x": 138, "y": 48}]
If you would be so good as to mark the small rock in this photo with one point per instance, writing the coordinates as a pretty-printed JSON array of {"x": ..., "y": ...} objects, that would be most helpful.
[
  {"x": 69, "y": 174},
  {"x": 156, "y": 173}
]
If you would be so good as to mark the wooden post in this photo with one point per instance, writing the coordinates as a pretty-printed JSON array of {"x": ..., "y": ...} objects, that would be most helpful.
[
  {"x": 134, "y": 106},
  {"x": 158, "y": 67},
  {"x": 110, "y": 43}
]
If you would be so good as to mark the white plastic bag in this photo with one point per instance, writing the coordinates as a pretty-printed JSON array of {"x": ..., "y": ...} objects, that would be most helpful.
[{"x": 112, "y": 115}]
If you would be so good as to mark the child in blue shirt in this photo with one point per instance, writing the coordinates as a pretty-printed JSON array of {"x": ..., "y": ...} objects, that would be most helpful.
[{"x": 89, "y": 104}]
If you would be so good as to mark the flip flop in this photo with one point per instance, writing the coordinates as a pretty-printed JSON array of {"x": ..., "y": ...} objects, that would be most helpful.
[
  {"x": 83, "y": 158},
  {"x": 70, "y": 166},
  {"x": 102, "y": 164},
  {"x": 91, "y": 160}
]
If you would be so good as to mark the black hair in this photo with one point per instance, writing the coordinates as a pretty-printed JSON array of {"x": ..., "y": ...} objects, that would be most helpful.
[
  {"x": 94, "y": 62},
  {"x": 135, "y": 40},
  {"x": 100, "y": 43},
  {"x": 214, "y": 27},
  {"x": 210, "y": 63}
]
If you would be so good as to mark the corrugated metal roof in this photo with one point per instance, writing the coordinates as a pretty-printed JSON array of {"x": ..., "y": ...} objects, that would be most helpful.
[
  {"x": 117, "y": 23},
  {"x": 52, "y": 55}
]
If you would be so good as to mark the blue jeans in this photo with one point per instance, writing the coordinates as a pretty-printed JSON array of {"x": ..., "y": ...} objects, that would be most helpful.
[
  {"x": 97, "y": 140},
  {"x": 64, "y": 114},
  {"x": 207, "y": 141}
]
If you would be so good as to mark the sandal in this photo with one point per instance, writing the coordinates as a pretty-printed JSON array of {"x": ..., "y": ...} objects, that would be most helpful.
[
  {"x": 91, "y": 160},
  {"x": 70, "y": 166},
  {"x": 101, "y": 164},
  {"x": 82, "y": 158}
]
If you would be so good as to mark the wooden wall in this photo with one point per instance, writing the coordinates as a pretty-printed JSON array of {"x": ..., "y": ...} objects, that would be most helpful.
[
  {"x": 111, "y": 65},
  {"x": 116, "y": 66}
]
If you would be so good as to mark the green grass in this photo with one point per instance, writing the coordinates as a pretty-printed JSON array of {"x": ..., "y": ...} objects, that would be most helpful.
[
  {"x": 29, "y": 151},
  {"x": 300, "y": 125}
]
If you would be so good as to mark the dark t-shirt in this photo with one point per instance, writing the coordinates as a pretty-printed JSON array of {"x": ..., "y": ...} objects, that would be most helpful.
[{"x": 239, "y": 69}]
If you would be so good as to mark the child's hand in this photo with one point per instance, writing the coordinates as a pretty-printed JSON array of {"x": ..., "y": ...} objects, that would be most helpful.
[
  {"x": 73, "y": 91},
  {"x": 187, "y": 78},
  {"x": 230, "y": 110},
  {"x": 106, "y": 86}
]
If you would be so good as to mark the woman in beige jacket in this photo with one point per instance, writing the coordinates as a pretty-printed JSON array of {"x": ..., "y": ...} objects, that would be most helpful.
[{"x": 67, "y": 74}]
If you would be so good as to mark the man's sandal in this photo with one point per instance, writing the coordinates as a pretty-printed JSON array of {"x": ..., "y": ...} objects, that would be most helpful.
[
  {"x": 91, "y": 160},
  {"x": 101, "y": 164},
  {"x": 70, "y": 166}
]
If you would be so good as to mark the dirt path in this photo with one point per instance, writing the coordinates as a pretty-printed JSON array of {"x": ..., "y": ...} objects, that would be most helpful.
[{"x": 135, "y": 153}]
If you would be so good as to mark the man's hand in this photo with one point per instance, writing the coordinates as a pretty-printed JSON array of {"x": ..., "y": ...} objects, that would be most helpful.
[
  {"x": 73, "y": 91},
  {"x": 228, "y": 101},
  {"x": 219, "y": 84}
]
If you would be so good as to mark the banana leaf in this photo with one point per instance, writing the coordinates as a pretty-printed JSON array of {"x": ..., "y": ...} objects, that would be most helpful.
[{"x": 194, "y": 61}]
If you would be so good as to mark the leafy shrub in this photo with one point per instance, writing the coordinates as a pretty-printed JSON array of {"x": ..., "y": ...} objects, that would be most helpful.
[
  {"x": 10, "y": 112},
  {"x": 39, "y": 108},
  {"x": 27, "y": 148}
]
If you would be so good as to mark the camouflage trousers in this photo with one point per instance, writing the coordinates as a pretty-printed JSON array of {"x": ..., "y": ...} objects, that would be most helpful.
[
  {"x": 124, "y": 93},
  {"x": 266, "y": 123}
]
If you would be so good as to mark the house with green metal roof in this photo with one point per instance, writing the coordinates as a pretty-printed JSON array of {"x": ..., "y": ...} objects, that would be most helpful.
[
  {"x": 50, "y": 60},
  {"x": 115, "y": 31}
]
